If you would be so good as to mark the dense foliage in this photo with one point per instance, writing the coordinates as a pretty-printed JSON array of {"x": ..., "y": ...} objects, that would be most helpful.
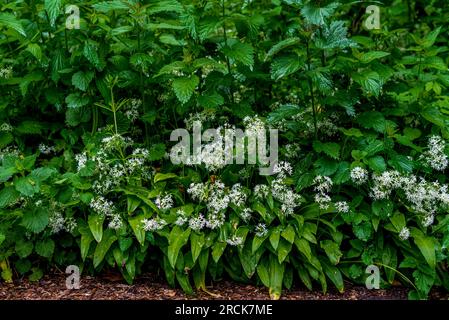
[{"x": 86, "y": 116}]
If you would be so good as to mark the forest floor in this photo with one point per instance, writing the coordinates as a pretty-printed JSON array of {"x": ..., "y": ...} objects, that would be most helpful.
[{"x": 150, "y": 287}]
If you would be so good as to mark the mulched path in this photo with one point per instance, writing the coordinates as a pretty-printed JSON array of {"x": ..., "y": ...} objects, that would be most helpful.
[{"x": 149, "y": 287}]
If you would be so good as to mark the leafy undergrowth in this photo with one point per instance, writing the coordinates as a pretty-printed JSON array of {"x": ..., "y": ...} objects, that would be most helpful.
[{"x": 87, "y": 114}]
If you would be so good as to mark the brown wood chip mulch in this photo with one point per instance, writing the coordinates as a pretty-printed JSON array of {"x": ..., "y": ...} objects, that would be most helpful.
[{"x": 148, "y": 287}]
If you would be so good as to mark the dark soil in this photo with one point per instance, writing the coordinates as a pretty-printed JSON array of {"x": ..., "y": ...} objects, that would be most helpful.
[{"x": 148, "y": 287}]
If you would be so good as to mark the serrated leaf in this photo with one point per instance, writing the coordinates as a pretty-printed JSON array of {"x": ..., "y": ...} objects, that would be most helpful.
[
  {"x": 81, "y": 80},
  {"x": 45, "y": 248},
  {"x": 35, "y": 220},
  {"x": 184, "y": 87},
  {"x": 53, "y": 8},
  {"x": 282, "y": 45},
  {"x": 76, "y": 100},
  {"x": 284, "y": 66},
  {"x": 10, "y": 21},
  {"x": 241, "y": 52},
  {"x": 332, "y": 149}
]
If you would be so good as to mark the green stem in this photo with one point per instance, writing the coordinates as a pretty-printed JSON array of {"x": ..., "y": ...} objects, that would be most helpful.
[{"x": 309, "y": 80}]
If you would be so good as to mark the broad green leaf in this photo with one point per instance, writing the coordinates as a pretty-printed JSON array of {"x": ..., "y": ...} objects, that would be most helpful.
[
  {"x": 332, "y": 250},
  {"x": 197, "y": 242},
  {"x": 136, "y": 225},
  {"x": 35, "y": 220},
  {"x": 53, "y": 8},
  {"x": 176, "y": 240},
  {"x": 45, "y": 248},
  {"x": 426, "y": 245},
  {"x": 95, "y": 222},
  {"x": 184, "y": 87},
  {"x": 103, "y": 247},
  {"x": 81, "y": 80}
]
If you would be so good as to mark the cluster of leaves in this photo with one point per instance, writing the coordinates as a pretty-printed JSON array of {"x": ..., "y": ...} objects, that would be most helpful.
[{"x": 347, "y": 97}]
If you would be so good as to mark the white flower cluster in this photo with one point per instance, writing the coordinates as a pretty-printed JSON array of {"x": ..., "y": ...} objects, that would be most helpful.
[
  {"x": 217, "y": 199},
  {"x": 281, "y": 191},
  {"x": 6, "y": 72},
  {"x": 132, "y": 111},
  {"x": 235, "y": 241},
  {"x": 424, "y": 197},
  {"x": 261, "y": 230},
  {"x": 435, "y": 156},
  {"x": 81, "y": 158},
  {"x": 113, "y": 172},
  {"x": 153, "y": 224},
  {"x": 6, "y": 127},
  {"x": 44, "y": 149},
  {"x": 164, "y": 203},
  {"x": 261, "y": 191},
  {"x": 203, "y": 117},
  {"x": 9, "y": 151},
  {"x": 342, "y": 206},
  {"x": 56, "y": 220},
  {"x": 404, "y": 234},
  {"x": 359, "y": 175},
  {"x": 182, "y": 218},
  {"x": 323, "y": 186},
  {"x": 292, "y": 150},
  {"x": 254, "y": 127},
  {"x": 107, "y": 209}
]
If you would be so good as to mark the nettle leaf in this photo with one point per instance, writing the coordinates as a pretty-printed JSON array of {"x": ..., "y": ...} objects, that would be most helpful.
[
  {"x": 81, "y": 80},
  {"x": 370, "y": 81},
  {"x": 317, "y": 15},
  {"x": 184, "y": 87},
  {"x": 334, "y": 36},
  {"x": 283, "y": 112},
  {"x": 35, "y": 220},
  {"x": 367, "y": 57},
  {"x": 10, "y": 21},
  {"x": 91, "y": 54},
  {"x": 284, "y": 66},
  {"x": 35, "y": 50},
  {"x": 372, "y": 120},
  {"x": 332, "y": 149},
  {"x": 76, "y": 100},
  {"x": 8, "y": 195},
  {"x": 282, "y": 45},
  {"x": 241, "y": 52},
  {"x": 107, "y": 6},
  {"x": 27, "y": 186},
  {"x": 53, "y": 8},
  {"x": 210, "y": 100}
]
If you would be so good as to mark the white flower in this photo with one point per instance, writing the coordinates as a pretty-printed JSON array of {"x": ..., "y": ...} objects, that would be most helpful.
[
  {"x": 404, "y": 234},
  {"x": 182, "y": 217},
  {"x": 153, "y": 224},
  {"x": 116, "y": 222},
  {"x": 261, "y": 191},
  {"x": 428, "y": 220},
  {"x": 197, "y": 191},
  {"x": 6, "y": 72},
  {"x": 322, "y": 184},
  {"x": 261, "y": 230},
  {"x": 164, "y": 203},
  {"x": 435, "y": 156},
  {"x": 44, "y": 149},
  {"x": 246, "y": 214},
  {"x": 342, "y": 206},
  {"x": 101, "y": 206},
  {"x": 359, "y": 175},
  {"x": 237, "y": 196},
  {"x": 235, "y": 241},
  {"x": 323, "y": 200},
  {"x": 6, "y": 127},
  {"x": 197, "y": 223},
  {"x": 82, "y": 160},
  {"x": 283, "y": 169}
]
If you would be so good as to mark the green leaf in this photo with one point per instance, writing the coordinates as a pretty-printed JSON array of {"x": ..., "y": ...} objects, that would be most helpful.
[
  {"x": 86, "y": 240},
  {"x": 283, "y": 250},
  {"x": 76, "y": 100},
  {"x": 318, "y": 15},
  {"x": 210, "y": 100},
  {"x": 36, "y": 274},
  {"x": 334, "y": 275},
  {"x": 91, "y": 54},
  {"x": 377, "y": 163},
  {"x": 241, "y": 52},
  {"x": 8, "y": 195},
  {"x": 332, "y": 149},
  {"x": 107, "y": 6},
  {"x": 367, "y": 57},
  {"x": 95, "y": 222},
  {"x": 136, "y": 225},
  {"x": 184, "y": 87},
  {"x": 35, "y": 220},
  {"x": 217, "y": 250},
  {"x": 288, "y": 234},
  {"x": 426, "y": 245},
  {"x": 176, "y": 240},
  {"x": 284, "y": 66},
  {"x": 332, "y": 250},
  {"x": 275, "y": 237},
  {"x": 27, "y": 186},
  {"x": 304, "y": 247},
  {"x": 2, "y": 238},
  {"x": 164, "y": 176},
  {"x": 35, "y": 50},
  {"x": 276, "y": 278},
  {"x": 10, "y": 21},
  {"x": 197, "y": 242},
  {"x": 382, "y": 208},
  {"x": 282, "y": 45},
  {"x": 103, "y": 247},
  {"x": 45, "y": 248},
  {"x": 24, "y": 248},
  {"x": 53, "y": 8},
  {"x": 81, "y": 80}
]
